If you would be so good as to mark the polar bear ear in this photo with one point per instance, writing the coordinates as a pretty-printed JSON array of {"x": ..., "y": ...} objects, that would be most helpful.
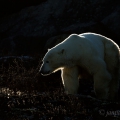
[
  {"x": 61, "y": 52},
  {"x": 48, "y": 49}
]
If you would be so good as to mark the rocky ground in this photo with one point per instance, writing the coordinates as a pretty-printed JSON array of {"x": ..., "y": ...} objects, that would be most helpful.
[
  {"x": 56, "y": 105},
  {"x": 26, "y": 95}
]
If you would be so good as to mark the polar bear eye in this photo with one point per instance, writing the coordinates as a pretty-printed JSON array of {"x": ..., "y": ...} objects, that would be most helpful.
[{"x": 47, "y": 61}]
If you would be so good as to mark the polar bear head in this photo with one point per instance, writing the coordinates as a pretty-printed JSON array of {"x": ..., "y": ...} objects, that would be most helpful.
[
  {"x": 53, "y": 61},
  {"x": 60, "y": 56}
]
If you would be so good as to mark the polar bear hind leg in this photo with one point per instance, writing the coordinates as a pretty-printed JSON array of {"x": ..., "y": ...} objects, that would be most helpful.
[
  {"x": 112, "y": 60},
  {"x": 102, "y": 78}
]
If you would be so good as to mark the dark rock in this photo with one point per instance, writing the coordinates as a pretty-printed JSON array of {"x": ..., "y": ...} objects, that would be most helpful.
[
  {"x": 8, "y": 7},
  {"x": 111, "y": 21},
  {"x": 54, "y": 41},
  {"x": 27, "y": 31},
  {"x": 8, "y": 61}
]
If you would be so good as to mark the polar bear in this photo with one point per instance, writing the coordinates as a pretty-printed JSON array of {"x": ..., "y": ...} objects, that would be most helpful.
[{"x": 97, "y": 55}]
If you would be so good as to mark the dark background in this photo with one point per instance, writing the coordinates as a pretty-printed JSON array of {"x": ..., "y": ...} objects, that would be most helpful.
[
  {"x": 8, "y": 7},
  {"x": 27, "y": 26}
]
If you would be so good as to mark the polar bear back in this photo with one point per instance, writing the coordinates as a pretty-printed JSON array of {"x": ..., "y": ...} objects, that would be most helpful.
[{"x": 87, "y": 43}]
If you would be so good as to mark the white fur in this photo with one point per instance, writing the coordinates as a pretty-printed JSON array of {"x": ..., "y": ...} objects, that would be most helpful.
[{"x": 95, "y": 53}]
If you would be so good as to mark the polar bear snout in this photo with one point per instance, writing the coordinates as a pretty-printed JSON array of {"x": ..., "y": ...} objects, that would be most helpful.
[{"x": 44, "y": 70}]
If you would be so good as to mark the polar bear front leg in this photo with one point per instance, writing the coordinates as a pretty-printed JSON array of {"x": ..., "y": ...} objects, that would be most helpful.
[{"x": 70, "y": 79}]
